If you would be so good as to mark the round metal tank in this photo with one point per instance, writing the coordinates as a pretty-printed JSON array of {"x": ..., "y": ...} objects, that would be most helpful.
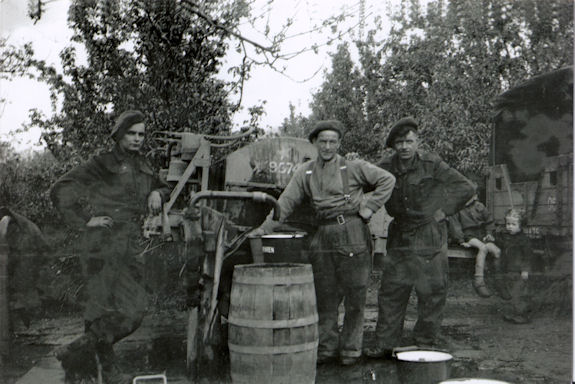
[
  {"x": 267, "y": 166},
  {"x": 270, "y": 161}
]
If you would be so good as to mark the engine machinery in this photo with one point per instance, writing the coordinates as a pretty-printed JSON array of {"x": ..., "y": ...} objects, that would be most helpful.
[{"x": 213, "y": 207}]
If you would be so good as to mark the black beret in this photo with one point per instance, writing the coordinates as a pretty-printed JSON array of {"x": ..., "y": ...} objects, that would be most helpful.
[
  {"x": 397, "y": 128},
  {"x": 326, "y": 125},
  {"x": 125, "y": 121}
]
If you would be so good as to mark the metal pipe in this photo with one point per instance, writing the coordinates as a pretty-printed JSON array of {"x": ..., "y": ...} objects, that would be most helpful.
[
  {"x": 237, "y": 136},
  {"x": 179, "y": 135},
  {"x": 259, "y": 197},
  {"x": 224, "y": 145}
]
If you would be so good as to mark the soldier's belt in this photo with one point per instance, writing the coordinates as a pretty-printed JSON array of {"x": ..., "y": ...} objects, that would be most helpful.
[{"x": 339, "y": 219}]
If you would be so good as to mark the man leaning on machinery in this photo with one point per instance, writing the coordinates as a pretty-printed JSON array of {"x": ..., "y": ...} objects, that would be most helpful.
[{"x": 340, "y": 250}]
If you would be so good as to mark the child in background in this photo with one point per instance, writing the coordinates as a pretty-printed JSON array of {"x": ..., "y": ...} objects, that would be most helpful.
[
  {"x": 472, "y": 227},
  {"x": 516, "y": 258}
]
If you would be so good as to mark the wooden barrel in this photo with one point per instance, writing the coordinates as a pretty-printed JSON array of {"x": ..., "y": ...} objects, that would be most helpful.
[{"x": 272, "y": 324}]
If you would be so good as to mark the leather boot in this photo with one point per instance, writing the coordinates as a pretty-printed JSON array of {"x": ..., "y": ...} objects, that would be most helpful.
[
  {"x": 79, "y": 359},
  {"x": 110, "y": 369}
]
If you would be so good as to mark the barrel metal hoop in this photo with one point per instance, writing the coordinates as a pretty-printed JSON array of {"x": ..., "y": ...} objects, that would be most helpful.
[
  {"x": 272, "y": 350},
  {"x": 291, "y": 323},
  {"x": 275, "y": 280}
]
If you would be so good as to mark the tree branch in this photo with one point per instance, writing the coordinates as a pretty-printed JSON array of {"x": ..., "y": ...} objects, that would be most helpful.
[
  {"x": 193, "y": 8},
  {"x": 242, "y": 79}
]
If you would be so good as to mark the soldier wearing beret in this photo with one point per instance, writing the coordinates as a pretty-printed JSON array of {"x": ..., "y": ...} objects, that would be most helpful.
[
  {"x": 106, "y": 200},
  {"x": 426, "y": 190},
  {"x": 341, "y": 246}
]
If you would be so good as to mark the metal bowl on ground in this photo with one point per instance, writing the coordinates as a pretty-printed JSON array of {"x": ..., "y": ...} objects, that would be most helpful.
[{"x": 423, "y": 366}]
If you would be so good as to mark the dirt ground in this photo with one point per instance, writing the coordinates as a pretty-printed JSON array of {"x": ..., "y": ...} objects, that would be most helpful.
[{"x": 487, "y": 346}]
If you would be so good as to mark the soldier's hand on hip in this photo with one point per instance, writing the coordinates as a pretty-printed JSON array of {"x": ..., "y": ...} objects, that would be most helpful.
[
  {"x": 365, "y": 214},
  {"x": 439, "y": 215},
  {"x": 155, "y": 202},
  {"x": 100, "y": 221}
]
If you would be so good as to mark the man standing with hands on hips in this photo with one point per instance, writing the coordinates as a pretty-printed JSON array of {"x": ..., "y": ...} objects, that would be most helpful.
[
  {"x": 340, "y": 251},
  {"x": 426, "y": 191}
]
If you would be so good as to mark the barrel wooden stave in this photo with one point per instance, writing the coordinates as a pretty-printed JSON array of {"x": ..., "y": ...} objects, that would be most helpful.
[{"x": 273, "y": 325}]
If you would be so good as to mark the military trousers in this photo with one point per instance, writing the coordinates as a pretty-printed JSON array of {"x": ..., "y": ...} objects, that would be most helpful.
[
  {"x": 114, "y": 297},
  {"x": 407, "y": 267},
  {"x": 340, "y": 255}
]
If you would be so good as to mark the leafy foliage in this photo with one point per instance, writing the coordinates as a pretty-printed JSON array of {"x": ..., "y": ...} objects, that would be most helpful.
[
  {"x": 342, "y": 97},
  {"x": 14, "y": 61},
  {"x": 25, "y": 181},
  {"x": 150, "y": 55},
  {"x": 445, "y": 65},
  {"x": 163, "y": 57},
  {"x": 295, "y": 125}
]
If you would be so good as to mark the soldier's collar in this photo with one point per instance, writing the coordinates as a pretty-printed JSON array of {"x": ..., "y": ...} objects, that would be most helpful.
[
  {"x": 122, "y": 155},
  {"x": 322, "y": 163},
  {"x": 411, "y": 165}
]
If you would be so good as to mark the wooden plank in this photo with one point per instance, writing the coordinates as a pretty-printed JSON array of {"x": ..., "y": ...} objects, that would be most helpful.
[
  {"x": 192, "y": 342},
  {"x": 282, "y": 362},
  {"x": 461, "y": 253}
]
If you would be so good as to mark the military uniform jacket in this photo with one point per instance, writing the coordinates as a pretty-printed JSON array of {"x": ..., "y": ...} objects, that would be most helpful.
[
  {"x": 114, "y": 184},
  {"x": 321, "y": 182},
  {"x": 427, "y": 185}
]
